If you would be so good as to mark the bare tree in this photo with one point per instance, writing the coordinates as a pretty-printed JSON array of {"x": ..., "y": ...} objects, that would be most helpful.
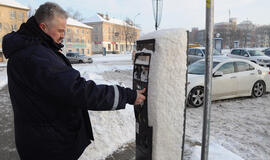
[
  {"x": 130, "y": 33},
  {"x": 74, "y": 14},
  {"x": 31, "y": 11}
]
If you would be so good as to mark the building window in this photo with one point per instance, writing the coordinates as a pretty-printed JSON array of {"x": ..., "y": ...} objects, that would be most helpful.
[
  {"x": 68, "y": 30},
  {"x": 116, "y": 46},
  {"x": 86, "y": 32},
  {"x": 77, "y": 40},
  {"x": 82, "y": 31},
  {"x": 69, "y": 40},
  {"x": 13, "y": 27},
  {"x": 69, "y": 50},
  {"x": 82, "y": 41},
  {"x": 82, "y": 51},
  {"x": 21, "y": 16},
  {"x": 12, "y": 14},
  {"x": 88, "y": 51},
  {"x": 109, "y": 47},
  {"x": 78, "y": 50}
]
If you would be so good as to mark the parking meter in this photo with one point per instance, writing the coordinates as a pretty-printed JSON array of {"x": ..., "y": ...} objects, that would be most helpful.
[{"x": 140, "y": 81}]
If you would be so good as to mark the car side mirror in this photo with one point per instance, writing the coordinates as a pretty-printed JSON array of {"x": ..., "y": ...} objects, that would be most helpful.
[
  {"x": 218, "y": 74},
  {"x": 200, "y": 54}
]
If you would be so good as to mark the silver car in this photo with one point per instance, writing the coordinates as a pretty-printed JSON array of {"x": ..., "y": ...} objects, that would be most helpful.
[
  {"x": 78, "y": 58},
  {"x": 198, "y": 53},
  {"x": 253, "y": 55}
]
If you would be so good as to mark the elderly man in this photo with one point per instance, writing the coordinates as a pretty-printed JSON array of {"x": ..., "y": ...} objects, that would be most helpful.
[{"x": 50, "y": 99}]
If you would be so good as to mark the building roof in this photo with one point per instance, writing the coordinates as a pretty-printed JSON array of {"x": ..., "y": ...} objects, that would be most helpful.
[
  {"x": 98, "y": 18},
  {"x": 12, "y": 3},
  {"x": 73, "y": 22}
]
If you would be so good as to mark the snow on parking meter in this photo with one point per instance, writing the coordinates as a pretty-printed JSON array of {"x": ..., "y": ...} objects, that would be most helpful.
[{"x": 160, "y": 67}]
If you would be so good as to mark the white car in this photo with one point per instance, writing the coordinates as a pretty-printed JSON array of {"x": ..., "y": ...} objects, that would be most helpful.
[
  {"x": 231, "y": 78},
  {"x": 254, "y": 55}
]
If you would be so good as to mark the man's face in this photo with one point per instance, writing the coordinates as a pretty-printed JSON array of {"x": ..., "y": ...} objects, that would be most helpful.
[{"x": 55, "y": 29}]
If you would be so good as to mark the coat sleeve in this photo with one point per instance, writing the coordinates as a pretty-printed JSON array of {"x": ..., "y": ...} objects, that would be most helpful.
[{"x": 65, "y": 84}]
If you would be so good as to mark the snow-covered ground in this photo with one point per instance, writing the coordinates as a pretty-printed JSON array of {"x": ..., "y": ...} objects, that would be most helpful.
[{"x": 240, "y": 128}]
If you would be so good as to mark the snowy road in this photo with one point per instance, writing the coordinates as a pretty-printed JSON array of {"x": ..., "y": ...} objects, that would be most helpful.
[{"x": 7, "y": 144}]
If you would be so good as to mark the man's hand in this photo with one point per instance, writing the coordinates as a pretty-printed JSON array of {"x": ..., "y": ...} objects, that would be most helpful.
[{"x": 140, "y": 97}]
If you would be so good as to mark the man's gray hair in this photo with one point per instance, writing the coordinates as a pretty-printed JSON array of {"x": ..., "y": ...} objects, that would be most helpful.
[{"x": 47, "y": 11}]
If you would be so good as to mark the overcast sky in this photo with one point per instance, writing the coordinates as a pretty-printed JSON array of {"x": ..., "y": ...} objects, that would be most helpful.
[{"x": 176, "y": 13}]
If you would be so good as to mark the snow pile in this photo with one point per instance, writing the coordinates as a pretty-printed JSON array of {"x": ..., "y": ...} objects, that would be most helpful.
[
  {"x": 112, "y": 129},
  {"x": 110, "y": 57},
  {"x": 216, "y": 152},
  {"x": 3, "y": 77},
  {"x": 166, "y": 90}
]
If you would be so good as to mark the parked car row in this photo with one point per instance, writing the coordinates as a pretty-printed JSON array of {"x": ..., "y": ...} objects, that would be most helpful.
[
  {"x": 262, "y": 58},
  {"x": 231, "y": 78},
  {"x": 253, "y": 55},
  {"x": 78, "y": 58}
]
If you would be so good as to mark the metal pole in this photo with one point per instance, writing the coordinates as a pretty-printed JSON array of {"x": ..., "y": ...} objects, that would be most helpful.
[
  {"x": 156, "y": 25},
  {"x": 208, "y": 78}
]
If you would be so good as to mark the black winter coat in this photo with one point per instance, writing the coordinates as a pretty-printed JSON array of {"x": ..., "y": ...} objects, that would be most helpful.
[{"x": 50, "y": 99}]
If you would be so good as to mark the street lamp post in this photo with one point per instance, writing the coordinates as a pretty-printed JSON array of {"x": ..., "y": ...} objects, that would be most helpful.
[
  {"x": 208, "y": 78},
  {"x": 135, "y": 33},
  {"x": 157, "y": 8}
]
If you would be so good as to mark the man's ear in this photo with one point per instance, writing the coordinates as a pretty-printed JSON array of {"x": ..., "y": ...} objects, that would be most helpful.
[{"x": 43, "y": 27}]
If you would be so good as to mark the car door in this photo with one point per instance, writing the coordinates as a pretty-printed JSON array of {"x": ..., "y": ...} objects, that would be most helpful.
[
  {"x": 225, "y": 86},
  {"x": 72, "y": 58},
  {"x": 246, "y": 77},
  {"x": 236, "y": 53},
  {"x": 245, "y": 55}
]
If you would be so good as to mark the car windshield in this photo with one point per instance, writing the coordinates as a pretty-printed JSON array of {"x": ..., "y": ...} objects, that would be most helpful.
[
  {"x": 215, "y": 52},
  {"x": 198, "y": 67},
  {"x": 255, "y": 53}
]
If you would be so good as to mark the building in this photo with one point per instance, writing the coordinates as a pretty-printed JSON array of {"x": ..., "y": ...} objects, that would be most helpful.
[
  {"x": 112, "y": 35},
  {"x": 12, "y": 15},
  {"x": 227, "y": 31},
  {"x": 78, "y": 38}
]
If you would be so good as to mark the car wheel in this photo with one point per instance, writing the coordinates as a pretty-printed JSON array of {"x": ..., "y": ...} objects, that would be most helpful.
[
  {"x": 80, "y": 61},
  {"x": 258, "y": 89},
  {"x": 196, "y": 97}
]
